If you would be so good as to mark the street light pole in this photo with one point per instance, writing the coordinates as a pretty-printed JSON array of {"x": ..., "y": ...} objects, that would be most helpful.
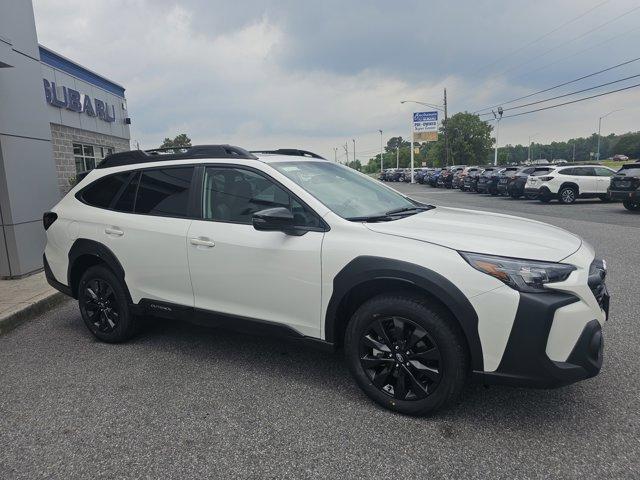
[
  {"x": 599, "y": 127},
  {"x": 497, "y": 117},
  {"x": 397, "y": 157},
  {"x": 446, "y": 133},
  {"x": 530, "y": 138},
  {"x": 381, "y": 151}
]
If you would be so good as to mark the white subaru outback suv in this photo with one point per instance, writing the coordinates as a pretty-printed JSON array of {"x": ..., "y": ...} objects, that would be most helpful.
[
  {"x": 421, "y": 298},
  {"x": 567, "y": 184}
]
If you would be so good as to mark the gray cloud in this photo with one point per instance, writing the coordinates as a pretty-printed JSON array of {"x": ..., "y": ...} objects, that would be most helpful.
[{"x": 267, "y": 73}]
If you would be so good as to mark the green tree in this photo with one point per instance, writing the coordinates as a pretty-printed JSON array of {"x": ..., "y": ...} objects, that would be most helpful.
[
  {"x": 180, "y": 141},
  {"x": 469, "y": 138}
]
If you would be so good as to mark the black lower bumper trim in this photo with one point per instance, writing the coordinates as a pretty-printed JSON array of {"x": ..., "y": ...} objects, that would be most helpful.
[
  {"x": 624, "y": 195},
  {"x": 51, "y": 279},
  {"x": 525, "y": 362}
]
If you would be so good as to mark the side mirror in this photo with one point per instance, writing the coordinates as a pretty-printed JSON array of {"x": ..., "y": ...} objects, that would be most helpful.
[{"x": 277, "y": 219}]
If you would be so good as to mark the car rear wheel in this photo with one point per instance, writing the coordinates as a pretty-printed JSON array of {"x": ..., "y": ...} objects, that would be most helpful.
[
  {"x": 406, "y": 354},
  {"x": 567, "y": 195},
  {"x": 104, "y": 306},
  {"x": 632, "y": 205}
]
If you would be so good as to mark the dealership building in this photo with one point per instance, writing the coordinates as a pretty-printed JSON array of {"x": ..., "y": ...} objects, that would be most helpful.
[{"x": 57, "y": 119}]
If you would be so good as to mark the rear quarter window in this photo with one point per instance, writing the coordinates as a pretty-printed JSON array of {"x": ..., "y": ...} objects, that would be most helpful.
[{"x": 102, "y": 192}]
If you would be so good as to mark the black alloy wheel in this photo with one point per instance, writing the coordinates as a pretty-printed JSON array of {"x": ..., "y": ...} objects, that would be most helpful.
[
  {"x": 104, "y": 305},
  {"x": 400, "y": 358},
  {"x": 100, "y": 304},
  {"x": 407, "y": 353}
]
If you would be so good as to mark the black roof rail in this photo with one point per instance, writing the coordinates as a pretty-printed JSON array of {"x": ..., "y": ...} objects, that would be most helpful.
[
  {"x": 290, "y": 151},
  {"x": 174, "y": 153}
]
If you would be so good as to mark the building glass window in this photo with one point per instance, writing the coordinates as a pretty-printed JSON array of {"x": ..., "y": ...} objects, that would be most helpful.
[{"x": 88, "y": 156}]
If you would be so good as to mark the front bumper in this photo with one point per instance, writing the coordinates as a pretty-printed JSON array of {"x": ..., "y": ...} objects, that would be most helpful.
[{"x": 525, "y": 361}]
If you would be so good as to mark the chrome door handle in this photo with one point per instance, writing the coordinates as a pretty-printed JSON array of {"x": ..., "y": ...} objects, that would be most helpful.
[
  {"x": 115, "y": 231},
  {"x": 202, "y": 242}
]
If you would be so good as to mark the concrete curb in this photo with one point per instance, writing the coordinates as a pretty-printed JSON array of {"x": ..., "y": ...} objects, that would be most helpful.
[{"x": 25, "y": 312}]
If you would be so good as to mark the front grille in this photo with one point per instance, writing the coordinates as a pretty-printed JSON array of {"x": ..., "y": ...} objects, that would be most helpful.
[{"x": 597, "y": 276}]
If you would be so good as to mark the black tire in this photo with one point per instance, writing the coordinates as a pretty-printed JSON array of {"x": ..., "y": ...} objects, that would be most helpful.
[
  {"x": 514, "y": 195},
  {"x": 632, "y": 205},
  {"x": 567, "y": 195},
  {"x": 104, "y": 306},
  {"x": 432, "y": 384}
]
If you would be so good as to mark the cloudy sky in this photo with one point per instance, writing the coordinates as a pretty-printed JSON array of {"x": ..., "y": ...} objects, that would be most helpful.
[{"x": 278, "y": 73}]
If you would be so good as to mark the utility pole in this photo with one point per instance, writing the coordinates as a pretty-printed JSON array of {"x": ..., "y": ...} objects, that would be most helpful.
[
  {"x": 573, "y": 158},
  {"x": 335, "y": 154},
  {"x": 446, "y": 130},
  {"x": 346, "y": 152},
  {"x": 397, "y": 156},
  {"x": 381, "y": 152},
  {"x": 354, "y": 152}
]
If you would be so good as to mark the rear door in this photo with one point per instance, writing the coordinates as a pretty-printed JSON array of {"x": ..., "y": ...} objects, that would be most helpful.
[
  {"x": 586, "y": 179},
  {"x": 146, "y": 228}
]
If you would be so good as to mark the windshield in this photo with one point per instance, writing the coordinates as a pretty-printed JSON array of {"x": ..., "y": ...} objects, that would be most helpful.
[{"x": 344, "y": 191}]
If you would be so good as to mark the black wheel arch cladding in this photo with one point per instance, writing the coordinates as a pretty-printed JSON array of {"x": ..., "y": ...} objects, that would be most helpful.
[
  {"x": 83, "y": 247},
  {"x": 366, "y": 268}
]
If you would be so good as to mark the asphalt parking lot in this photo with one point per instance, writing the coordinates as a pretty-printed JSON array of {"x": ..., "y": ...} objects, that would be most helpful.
[{"x": 182, "y": 401}]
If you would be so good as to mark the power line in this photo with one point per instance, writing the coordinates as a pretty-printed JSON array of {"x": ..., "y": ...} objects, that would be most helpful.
[
  {"x": 566, "y": 94},
  {"x": 557, "y": 86},
  {"x": 517, "y": 50},
  {"x": 628, "y": 12},
  {"x": 573, "y": 101},
  {"x": 546, "y": 65}
]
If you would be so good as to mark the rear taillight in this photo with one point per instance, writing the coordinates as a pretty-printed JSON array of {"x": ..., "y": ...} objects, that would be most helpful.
[
  {"x": 545, "y": 179},
  {"x": 48, "y": 218}
]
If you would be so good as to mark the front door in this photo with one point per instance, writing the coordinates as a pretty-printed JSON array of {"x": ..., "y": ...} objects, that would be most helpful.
[{"x": 240, "y": 271}]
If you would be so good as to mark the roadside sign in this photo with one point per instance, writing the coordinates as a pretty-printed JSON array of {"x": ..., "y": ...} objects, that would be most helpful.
[{"x": 425, "y": 126}]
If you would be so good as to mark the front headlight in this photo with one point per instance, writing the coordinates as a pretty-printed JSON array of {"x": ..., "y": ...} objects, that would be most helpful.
[{"x": 523, "y": 275}]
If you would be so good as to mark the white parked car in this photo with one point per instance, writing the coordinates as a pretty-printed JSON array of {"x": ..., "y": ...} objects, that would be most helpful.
[
  {"x": 567, "y": 184},
  {"x": 421, "y": 298}
]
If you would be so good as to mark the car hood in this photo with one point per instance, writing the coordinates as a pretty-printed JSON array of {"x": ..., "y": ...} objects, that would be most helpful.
[{"x": 484, "y": 232}]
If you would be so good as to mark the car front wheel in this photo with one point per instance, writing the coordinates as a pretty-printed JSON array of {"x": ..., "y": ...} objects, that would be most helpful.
[
  {"x": 406, "y": 354},
  {"x": 104, "y": 306}
]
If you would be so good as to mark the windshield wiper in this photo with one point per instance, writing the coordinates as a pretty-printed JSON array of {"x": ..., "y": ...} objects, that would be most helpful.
[
  {"x": 391, "y": 214},
  {"x": 416, "y": 208}
]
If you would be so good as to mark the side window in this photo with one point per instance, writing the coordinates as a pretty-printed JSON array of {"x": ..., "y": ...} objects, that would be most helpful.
[
  {"x": 235, "y": 194},
  {"x": 164, "y": 191},
  {"x": 585, "y": 171},
  {"x": 127, "y": 198},
  {"x": 604, "y": 172},
  {"x": 101, "y": 192},
  {"x": 566, "y": 171}
]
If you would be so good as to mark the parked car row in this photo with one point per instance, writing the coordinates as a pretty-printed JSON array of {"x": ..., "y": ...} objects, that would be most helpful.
[{"x": 563, "y": 182}]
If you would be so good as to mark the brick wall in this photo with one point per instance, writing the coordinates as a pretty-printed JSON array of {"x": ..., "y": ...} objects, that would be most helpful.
[{"x": 63, "y": 138}]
